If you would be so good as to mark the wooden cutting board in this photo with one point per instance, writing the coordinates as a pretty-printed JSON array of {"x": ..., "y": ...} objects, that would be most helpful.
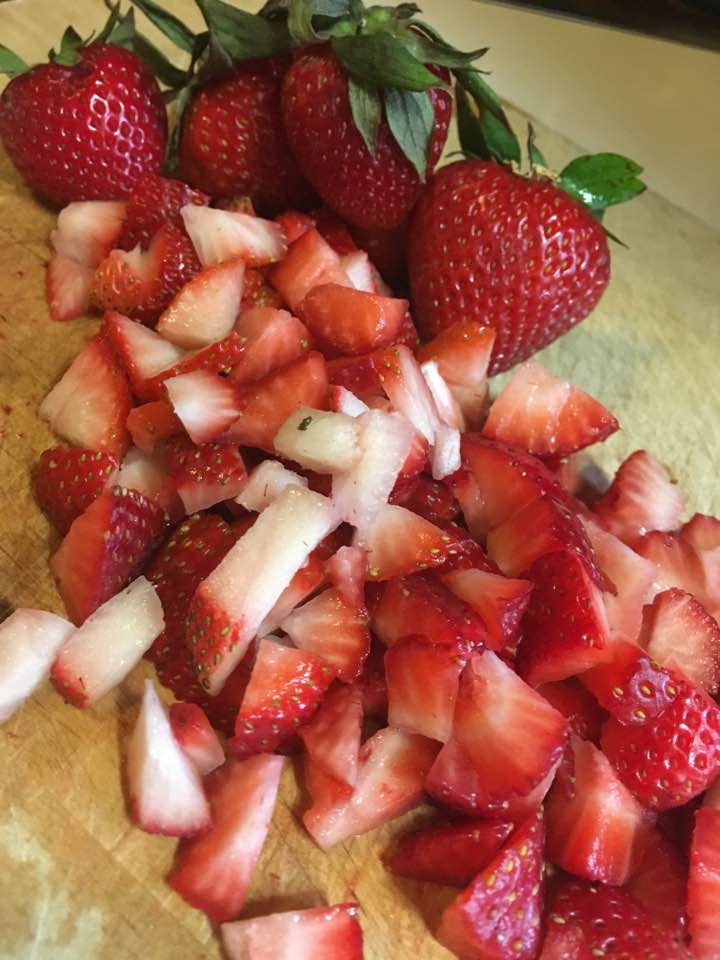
[{"x": 77, "y": 880}]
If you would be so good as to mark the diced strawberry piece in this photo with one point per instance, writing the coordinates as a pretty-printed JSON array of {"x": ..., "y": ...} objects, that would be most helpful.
[
  {"x": 177, "y": 673},
  {"x": 332, "y": 932},
  {"x": 505, "y": 740},
  {"x": 347, "y": 571},
  {"x": 213, "y": 871},
  {"x": 87, "y": 230},
  {"x": 68, "y": 479},
  {"x": 703, "y": 535},
  {"x": 29, "y": 642},
  {"x": 704, "y": 884},
  {"x": 466, "y": 554},
  {"x": 362, "y": 273},
  {"x": 320, "y": 440},
  {"x": 220, "y": 235},
  {"x": 152, "y": 423},
  {"x": 416, "y": 462},
  {"x": 660, "y": 883},
  {"x": 431, "y": 499},
  {"x": 153, "y": 201},
  {"x": 573, "y": 701},
  {"x": 205, "y": 475},
  {"x": 462, "y": 353},
  {"x": 310, "y": 262},
  {"x": 265, "y": 484},
  {"x": 500, "y": 602},
  {"x": 392, "y": 767},
  {"x": 399, "y": 542},
  {"x": 332, "y": 737},
  {"x": 205, "y": 309},
  {"x": 142, "y": 352},
  {"x": 569, "y": 472},
  {"x": 267, "y": 403},
  {"x": 546, "y": 416},
  {"x": 191, "y": 728},
  {"x": 408, "y": 335},
  {"x": 219, "y": 357},
  {"x": 104, "y": 548},
  {"x": 356, "y": 374},
  {"x": 498, "y": 915},
  {"x": 232, "y": 602},
  {"x": 147, "y": 474},
  {"x": 334, "y": 630},
  {"x": 423, "y": 605},
  {"x": 166, "y": 794},
  {"x": 335, "y": 231},
  {"x": 89, "y": 405},
  {"x": 205, "y": 403},
  {"x": 294, "y": 224},
  {"x": 341, "y": 400},
  {"x": 642, "y": 497},
  {"x": 446, "y": 405},
  {"x": 257, "y": 292},
  {"x": 344, "y": 321},
  {"x": 285, "y": 689},
  {"x": 678, "y": 564},
  {"x": 564, "y": 630},
  {"x": 452, "y": 854},
  {"x": 422, "y": 682},
  {"x": 68, "y": 286},
  {"x": 273, "y": 338},
  {"x": 87, "y": 666},
  {"x": 565, "y": 943}
]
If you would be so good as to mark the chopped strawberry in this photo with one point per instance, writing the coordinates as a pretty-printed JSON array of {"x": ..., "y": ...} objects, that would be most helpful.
[
  {"x": 702, "y": 533},
  {"x": 642, "y": 497},
  {"x": 219, "y": 357},
  {"x": 452, "y": 854},
  {"x": 29, "y": 643},
  {"x": 333, "y": 629},
  {"x": 231, "y": 603},
  {"x": 467, "y": 554},
  {"x": 446, "y": 405},
  {"x": 213, "y": 871},
  {"x": 392, "y": 767},
  {"x": 573, "y": 701},
  {"x": 177, "y": 672},
  {"x": 152, "y": 423},
  {"x": 499, "y": 601},
  {"x": 166, "y": 794},
  {"x": 546, "y": 416},
  {"x": 335, "y": 231},
  {"x": 142, "y": 352},
  {"x": 309, "y": 262},
  {"x": 347, "y": 571},
  {"x": 363, "y": 274},
  {"x": 257, "y": 292},
  {"x": 331, "y": 932},
  {"x": 356, "y": 374},
  {"x": 68, "y": 286},
  {"x": 87, "y": 666},
  {"x": 659, "y": 883},
  {"x": 273, "y": 338},
  {"x": 68, "y": 479},
  {"x": 205, "y": 475},
  {"x": 431, "y": 499},
  {"x": 206, "y": 308},
  {"x": 320, "y": 440},
  {"x": 89, "y": 405},
  {"x": 87, "y": 230},
  {"x": 342, "y": 400},
  {"x": 153, "y": 201},
  {"x": 105, "y": 546},
  {"x": 332, "y": 736},
  {"x": 205, "y": 403},
  {"x": 285, "y": 689},
  {"x": 399, "y": 542},
  {"x": 344, "y": 321},
  {"x": 294, "y": 224},
  {"x": 678, "y": 564},
  {"x": 704, "y": 883},
  {"x": 220, "y": 235},
  {"x": 191, "y": 728},
  {"x": 498, "y": 915},
  {"x": 408, "y": 335},
  {"x": 147, "y": 474},
  {"x": 505, "y": 740},
  {"x": 565, "y": 943}
]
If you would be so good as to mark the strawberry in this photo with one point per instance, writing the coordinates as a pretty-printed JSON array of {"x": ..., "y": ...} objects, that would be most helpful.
[
  {"x": 468, "y": 554},
  {"x": 206, "y": 308},
  {"x": 356, "y": 374},
  {"x": 386, "y": 249},
  {"x": 330, "y": 627},
  {"x": 213, "y": 871},
  {"x": 265, "y": 484},
  {"x": 217, "y": 357},
  {"x": 431, "y": 499},
  {"x": 332, "y": 736},
  {"x": 29, "y": 642},
  {"x": 452, "y": 854},
  {"x": 310, "y": 262},
  {"x": 285, "y": 689},
  {"x": 199, "y": 742},
  {"x": 166, "y": 794},
  {"x": 517, "y": 253},
  {"x": 344, "y": 321},
  {"x": 205, "y": 475},
  {"x": 142, "y": 353},
  {"x": 312, "y": 934},
  {"x": 400, "y": 542},
  {"x": 86, "y": 126},
  {"x": 68, "y": 479},
  {"x": 153, "y": 201},
  {"x": 205, "y": 403},
  {"x": 659, "y": 882},
  {"x": 335, "y": 231},
  {"x": 232, "y": 139},
  {"x": 152, "y": 423},
  {"x": 321, "y": 441},
  {"x": 257, "y": 292},
  {"x": 68, "y": 286},
  {"x": 220, "y": 235},
  {"x": 294, "y": 224},
  {"x": 87, "y": 230},
  {"x": 498, "y": 915},
  {"x": 104, "y": 547},
  {"x": 273, "y": 339},
  {"x": 703, "y": 883},
  {"x": 678, "y": 564},
  {"x": 89, "y": 405},
  {"x": 546, "y": 416},
  {"x": 499, "y": 601},
  {"x": 347, "y": 571},
  {"x": 575, "y": 703}
]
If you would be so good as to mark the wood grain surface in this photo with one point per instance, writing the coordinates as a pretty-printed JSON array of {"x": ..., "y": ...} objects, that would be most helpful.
[{"x": 77, "y": 880}]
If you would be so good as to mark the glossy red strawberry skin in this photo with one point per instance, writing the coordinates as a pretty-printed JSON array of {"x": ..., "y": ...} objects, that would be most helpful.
[
  {"x": 153, "y": 200},
  {"x": 371, "y": 193},
  {"x": 68, "y": 479},
  {"x": 233, "y": 141},
  {"x": 513, "y": 252},
  {"x": 85, "y": 132}
]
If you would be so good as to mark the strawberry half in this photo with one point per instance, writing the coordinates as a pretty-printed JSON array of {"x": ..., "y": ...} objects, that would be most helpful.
[
  {"x": 68, "y": 479},
  {"x": 334, "y": 629},
  {"x": 199, "y": 742},
  {"x": 331, "y": 932},
  {"x": 205, "y": 475}
]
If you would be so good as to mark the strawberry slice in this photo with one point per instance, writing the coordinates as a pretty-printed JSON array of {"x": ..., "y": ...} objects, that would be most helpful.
[
  {"x": 431, "y": 499},
  {"x": 206, "y": 308},
  {"x": 445, "y": 403},
  {"x": 320, "y": 440},
  {"x": 29, "y": 643},
  {"x": 153, "y": 201},
  {"x": 204, "y": 403},
  {"x": 660, "y": 883},
  {"x": 104, "y": 548},
  {"x": 469, "y": 555},
  {"x": 68, "y": 286},
  {"x": 213, "y": 870},
  {"x": 301, "y": 934},
  {"x": 332, "y": 737},
  {"x": 273, "y": 339},
  {"x": 348, "y": 322},
  {"x": 310, "y": 262},
  {"x": 257, "y": 292},
  {"x": 407, "y": 390},
  {"x": 89, "y": 405},
  {"x": 205, "y": 475},
  {"x": 451, "y": 854},
  {"x": 399, "y": 542},
  {"x": 573, "y": 701},
  {"x": 142, "y": 352},
  {"x": 392, "y": 767},
  {"x": 220, "y": 235},
  {"x": 704, "y": 883},
  {"x": 498, "y": 915},
  {"x": 342, "y": 400},
  {"x": 87, "y": 230},
  {"x": 362, "y": 273},
  {"x": 505, "y": 740},
  {"x": 166, "y": 794},
  {"x": 565, "y": 943},
  {"x": 147, "y": 474},
  {"x": 678, "y": 631},
  {"x": 68, "y": 479},
  {"x": 267, "y": 403},
  {"x": 546, "y": 416},
  {"x": 356, "y": 374},
  {"x": 642, "y": 497},
  {"x": 335, "y": 231},
  {"x": 678, "y": 565},
  {"x": 347, "y": 571},
  {"x": 231, "y": 603},
  {"x": 199, "y": 742},
  {"x": 499, "y": 601},
  {"x": 265, "y": 484},
  {"x": 333, "y": 629},
  {"x": 217, "y": 357},
  {"x": 294, "y": 224},
  {"x": 152, "y": 423},
  {"x": 87, "y": 667}
]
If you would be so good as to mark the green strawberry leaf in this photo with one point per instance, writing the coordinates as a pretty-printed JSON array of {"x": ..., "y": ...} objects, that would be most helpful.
[
  {"x": 120, "y": 30},
  {"x": 441, "y": 54},
  {"x": 67, "y": 55},
  {"x": 243, "y": 35},
  {"x": 165, "y": 71},
  {"x": 535, "y": 155},
  {"x": 410, "y": 117},
  {"x": 300, "y": 22},
  {"x": 383, "y": 60},
  {"x": 602, "y": 179},
  {"x": 168, "y": 24},
  {"x": 366, "y": 108},
  {"x": 470, "y": 132},
  {"x": 498, "y": 140},
  {"x": 10, "y": 63}
]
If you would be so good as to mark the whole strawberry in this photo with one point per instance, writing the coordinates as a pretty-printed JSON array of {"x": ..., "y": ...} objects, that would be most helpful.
[{"x": 85, "y": 126}]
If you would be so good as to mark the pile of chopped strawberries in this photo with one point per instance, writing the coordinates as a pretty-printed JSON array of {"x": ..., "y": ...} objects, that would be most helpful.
[{"x": 331, "y": 542}]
